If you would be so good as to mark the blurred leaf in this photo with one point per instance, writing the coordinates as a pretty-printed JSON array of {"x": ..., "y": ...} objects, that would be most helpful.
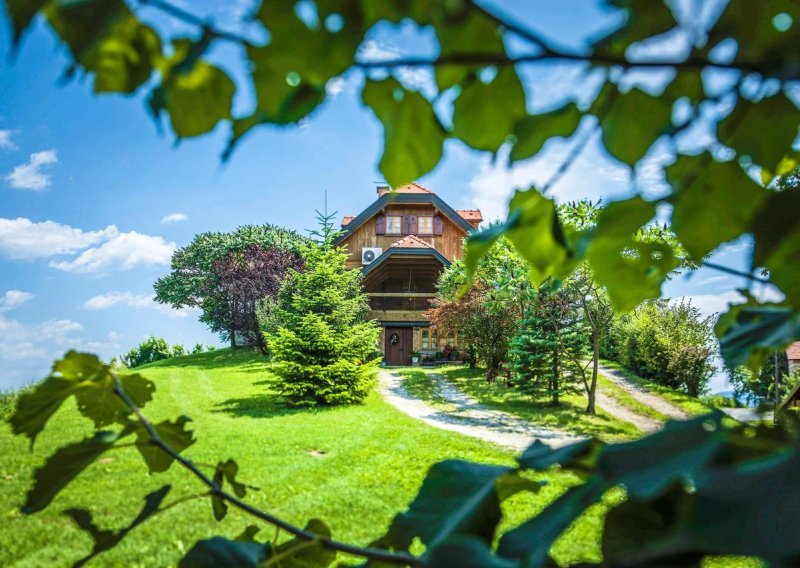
[
  {"x": 301, "y": 553},
  {"x": 173, "y": 433},
  {"x": 764, "y": 130},
  {"x": 484, "y": 114},
  {"x": 776, "y": 229},
  {"x": 706, "y": 189},
  {"x": 196, "y": 100},
  {"x": 217, "y": 551},
  {"x": 226, "y": 472},
  {"x": 22, "y": 13},
  {"x": 249, "y": 533},
  {"x": 468, "y": 552},
  {"x": 413, "y": 136},
  {"x": 626, "y": 139},
  {"x": 645, "y": 18},
  {"x": 62, "y": 467},
  {"x": 106, "y": 539},
  {"x": 631, "y": 270},
  {"x": 533, "y": 131},
  {"x": 467, "y": 33},
  {"x": 456, "y": 498},
  {"x": 539, "y": 456}
]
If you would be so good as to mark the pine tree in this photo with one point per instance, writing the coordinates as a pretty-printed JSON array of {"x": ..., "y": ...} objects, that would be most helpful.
[
  {"x": 550, "y": 346},
  {"x": 325, "y": 353}
]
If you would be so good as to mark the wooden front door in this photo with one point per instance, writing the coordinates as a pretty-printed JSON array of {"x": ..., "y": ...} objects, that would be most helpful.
[{"x": 398, "y": 346}]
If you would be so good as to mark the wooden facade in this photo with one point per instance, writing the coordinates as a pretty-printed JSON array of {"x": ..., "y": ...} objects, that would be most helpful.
[{"x": 417, "y": 235}]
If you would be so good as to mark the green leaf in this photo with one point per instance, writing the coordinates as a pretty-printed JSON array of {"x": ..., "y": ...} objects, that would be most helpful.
[
  {"x": 485, "y": 113},
  {"x": 62, "y": 467},
  {"x": 35, "y": 407},
  {"x": 532, "y": 131},
  {"x": 539, "y": 456},
  {"x": 173, "y": 433},
  {"x": 631, "y": 270},
  {"x": 226, "y": 472},
  {"x": 465, "y": 34},
  {"x": 107, "y": 539},
  {"x": 302, "y": 553},
  {"x": 22, "y": 13},
  {"x": 625, "y": 138},
  {"x": 413, "y": 137},
  {"x": 763, "y": 130},
  {"x": 645, "y": 18},
  {"x": 217, "y": 551},
  {"x": 468, "y": 552},
  {"x": 456, "y": 498},
  {"x": 705, "y": 189},
  {"x": 776, "y": 229},
  {"x": 196, "y": 100}
]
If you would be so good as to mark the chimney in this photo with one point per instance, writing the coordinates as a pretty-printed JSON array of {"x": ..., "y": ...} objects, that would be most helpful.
[{"x": 383, "y": 190}]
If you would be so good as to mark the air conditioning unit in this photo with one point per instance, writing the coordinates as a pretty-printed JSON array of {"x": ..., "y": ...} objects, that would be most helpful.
[{"x": 369, "y": 254}]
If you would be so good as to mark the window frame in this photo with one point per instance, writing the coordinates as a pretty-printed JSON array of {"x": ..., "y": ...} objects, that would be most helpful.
[
  {"x": 429, "y": 219},
  {"x": 390, "y": 219}
]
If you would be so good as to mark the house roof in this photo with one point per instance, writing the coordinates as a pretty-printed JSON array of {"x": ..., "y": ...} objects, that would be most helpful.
[
  {"x": 411, "y": 242},
  {"x": 470, "y": 214},
  {"x": 346, "y": 219},
  {"x": 409, "y": 193},
  {"x": 406, "y": 251},
  {"x": 793, "y": 352}
]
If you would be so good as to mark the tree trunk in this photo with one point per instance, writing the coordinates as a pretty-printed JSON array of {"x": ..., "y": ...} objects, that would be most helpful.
[
  {"x": 590, "y": 407},
  {"x": 233, "y": 338},
  {"x": 554, "y": 383}
]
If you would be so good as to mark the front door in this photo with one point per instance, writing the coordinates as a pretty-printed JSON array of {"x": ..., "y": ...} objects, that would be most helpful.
[{"x": 398, "y": 346}]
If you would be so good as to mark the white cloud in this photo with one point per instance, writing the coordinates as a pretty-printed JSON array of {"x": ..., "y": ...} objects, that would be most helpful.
[
  {"x": 174, "y": 218},
  {"x": 712, "y": 280},
  {"x": 22, "y": 238},
  {"x": 122, "y": 252},
  {"x": 5, "y": 140},
  {"x": 13, "y": 299},
  {"x": 714, "y": 304},
  {"x": 46, "y": 340},
  {"x": 30, "y": 175},
  {"x": 371, "y": 50},
  {"x": 131, "y": 300}
]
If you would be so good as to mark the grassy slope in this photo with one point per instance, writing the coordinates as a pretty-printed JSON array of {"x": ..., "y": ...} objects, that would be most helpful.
[
  {"x": 690, "y": 405},
  {"x": 569, "y": 416},
  {"x": 373, "y": 463}
]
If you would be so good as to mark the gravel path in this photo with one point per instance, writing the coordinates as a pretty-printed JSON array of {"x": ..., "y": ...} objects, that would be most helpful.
[
  {"x": 642, "y": 395},
  {"x": 469, "y": 417},
  {"x": 611, "y": 406}
]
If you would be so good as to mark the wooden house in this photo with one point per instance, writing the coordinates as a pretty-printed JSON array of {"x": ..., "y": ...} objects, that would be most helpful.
[
  {"x": 793, "y": 398},
  {"x": 402, "y": 242}
]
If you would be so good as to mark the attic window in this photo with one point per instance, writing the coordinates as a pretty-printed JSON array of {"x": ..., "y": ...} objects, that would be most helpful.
[
  {"x": 394, "y": 224},
  {"x": 425, "y": 226}
]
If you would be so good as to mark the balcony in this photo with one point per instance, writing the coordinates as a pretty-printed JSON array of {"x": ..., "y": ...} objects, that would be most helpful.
[{"x": 398, "y": 306}]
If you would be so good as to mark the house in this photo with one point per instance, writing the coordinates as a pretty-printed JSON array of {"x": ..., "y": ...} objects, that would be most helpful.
[
  {"x": 793, "y": 398},
  {"x": 402, "y": 242},
  {"x": 793, "y": 355}
]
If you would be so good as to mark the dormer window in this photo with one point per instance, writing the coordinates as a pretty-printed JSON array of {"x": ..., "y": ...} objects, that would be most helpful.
[{"x": 425, "y": 225}]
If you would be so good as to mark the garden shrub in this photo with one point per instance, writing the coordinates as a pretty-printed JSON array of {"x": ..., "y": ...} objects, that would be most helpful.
[
  {"x": 150, "y": 350},
  {"x": 324, "y": 352}
]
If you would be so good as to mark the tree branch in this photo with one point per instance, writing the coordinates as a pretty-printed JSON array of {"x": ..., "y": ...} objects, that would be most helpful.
[
  {"x": 734, "y": 272},
  {"x": 215, "y": 489}
]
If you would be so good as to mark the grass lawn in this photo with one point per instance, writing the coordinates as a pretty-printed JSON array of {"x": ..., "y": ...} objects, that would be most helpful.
[
  {"x": 353, "y": 467},
  {"x": 692, "y": 406},
  {"x": 569, "y": 416}
]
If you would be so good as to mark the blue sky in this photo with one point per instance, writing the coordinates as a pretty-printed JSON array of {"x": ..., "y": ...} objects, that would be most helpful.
[{"x": 95, "y": 199}]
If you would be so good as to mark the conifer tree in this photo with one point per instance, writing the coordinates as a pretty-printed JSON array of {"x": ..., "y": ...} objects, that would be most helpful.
[
  {"x": 550, "y": 346},
  {"x": 325, "y": 353}
]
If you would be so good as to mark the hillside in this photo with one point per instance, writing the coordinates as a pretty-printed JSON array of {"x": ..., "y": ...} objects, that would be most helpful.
[{"x": 354, "y": 467}]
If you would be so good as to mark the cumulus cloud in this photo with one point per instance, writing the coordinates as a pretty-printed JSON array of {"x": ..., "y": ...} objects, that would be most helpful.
[
  {"x": 131, "y": 300},
  {"x": 22, "y": 238},
  {"x": 45, "y": 340},
  {"x": 122, "y": 252},
  {"x": 5, "y": 140},
  {"x": 174, "y": 218},
  {"x": 31, "y": 175},
  {"x": 13, "y": 299}
]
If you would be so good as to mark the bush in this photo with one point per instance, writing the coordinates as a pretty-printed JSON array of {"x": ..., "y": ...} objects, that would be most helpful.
[
  {"x": 324, "y": 351},
  {"x": 150, "y": 350},
  {"x": 671, "y": 344}
]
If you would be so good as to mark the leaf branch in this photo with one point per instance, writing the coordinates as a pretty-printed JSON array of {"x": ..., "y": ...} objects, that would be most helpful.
[{"x": 218, "y": 491}]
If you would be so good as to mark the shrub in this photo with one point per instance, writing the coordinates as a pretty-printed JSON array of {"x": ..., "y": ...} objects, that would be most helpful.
[
  {"x": 669, "y": 343},
  {"x": 325, "y": 353},
  {"x": 150, "y": 350}
]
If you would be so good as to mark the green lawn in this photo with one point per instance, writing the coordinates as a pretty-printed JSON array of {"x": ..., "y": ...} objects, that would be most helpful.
[
  {"x": 569, "y": 416},
  {"x": 353, "y": 467},
  {"x": 692, "y": 406}
]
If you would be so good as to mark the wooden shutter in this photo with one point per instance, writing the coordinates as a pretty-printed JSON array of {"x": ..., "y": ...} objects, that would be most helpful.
[
  {"x": 380, "y": 225},
  {"x": 412, "y": 225},
  {"x": 438, "y": 225},
  {"x": 405, "y": 227}
]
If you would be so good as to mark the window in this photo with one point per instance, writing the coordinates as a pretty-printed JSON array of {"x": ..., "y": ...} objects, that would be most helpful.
[
  {"x": 393, "y": 224},
  {"x": 428, "y": 339},
  {"x": 425, "y": 226}
]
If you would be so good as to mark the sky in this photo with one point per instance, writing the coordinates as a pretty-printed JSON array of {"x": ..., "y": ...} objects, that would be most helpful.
[{"x": 94, "y": 198}]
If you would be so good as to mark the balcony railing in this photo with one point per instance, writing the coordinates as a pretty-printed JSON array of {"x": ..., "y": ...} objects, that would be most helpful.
[{"x": 405, "y": 301}]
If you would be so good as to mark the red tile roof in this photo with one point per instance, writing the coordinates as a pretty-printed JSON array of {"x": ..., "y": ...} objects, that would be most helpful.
[
  {"x": 411, "y": 242},
  {"x": 793, "y": 352},
  {"x": 346, "y": 220},
  {"x": 411, "y": 188},
  {"x": 470, "y": 214}
]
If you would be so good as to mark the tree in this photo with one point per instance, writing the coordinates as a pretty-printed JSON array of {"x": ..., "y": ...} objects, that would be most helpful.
[
  {"x": 151, "y": 350},
  {"x": 485, "y": 329},
  {"x": 242, "y": 279},
  {"x": 324, "y": 351},
  {"x": 549, "y": 350},
  {"x": 759, "y": 387},
  {"x": 204, "y": 275}
]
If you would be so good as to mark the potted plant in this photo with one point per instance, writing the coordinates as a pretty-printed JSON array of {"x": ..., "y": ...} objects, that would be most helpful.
[{"x": 415, "y": 358}]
